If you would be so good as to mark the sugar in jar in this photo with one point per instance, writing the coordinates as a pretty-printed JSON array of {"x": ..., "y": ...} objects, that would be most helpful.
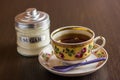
[{"x": 32, "y": 29}]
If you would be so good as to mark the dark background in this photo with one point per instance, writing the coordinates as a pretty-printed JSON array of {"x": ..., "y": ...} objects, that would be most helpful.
[{"x": 102, "y": 16}]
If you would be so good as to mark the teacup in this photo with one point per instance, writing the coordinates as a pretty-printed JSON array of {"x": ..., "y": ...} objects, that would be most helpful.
[{"x": 73, "y": 44}]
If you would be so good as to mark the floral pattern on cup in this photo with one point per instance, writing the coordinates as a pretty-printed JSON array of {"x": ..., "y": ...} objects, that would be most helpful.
[
  {"x": 79, "y": 53},
  {"x": 68, "y": 51}
]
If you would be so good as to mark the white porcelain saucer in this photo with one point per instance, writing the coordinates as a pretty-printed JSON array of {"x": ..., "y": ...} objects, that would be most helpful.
[{"x": 47, "y": 59}]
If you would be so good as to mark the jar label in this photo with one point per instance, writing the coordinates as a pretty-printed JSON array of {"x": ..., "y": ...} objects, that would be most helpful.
[{"x": 31, "y": 39}]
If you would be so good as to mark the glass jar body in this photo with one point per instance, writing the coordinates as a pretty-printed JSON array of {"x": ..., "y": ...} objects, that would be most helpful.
[{"x": 31, "y": 41}]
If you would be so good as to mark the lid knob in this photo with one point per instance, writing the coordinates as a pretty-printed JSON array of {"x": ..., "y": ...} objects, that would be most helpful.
[{"x": 32, "y": 13}]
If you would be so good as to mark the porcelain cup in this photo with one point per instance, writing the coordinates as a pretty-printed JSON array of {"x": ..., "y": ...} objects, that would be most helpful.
[{"x": 75, "y": 52}]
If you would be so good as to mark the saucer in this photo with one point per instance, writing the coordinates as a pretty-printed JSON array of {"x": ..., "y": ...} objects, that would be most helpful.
[{"x": 47, "y": 59}]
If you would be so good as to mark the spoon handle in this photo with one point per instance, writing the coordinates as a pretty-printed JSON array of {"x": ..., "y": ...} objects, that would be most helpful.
[{"x": 70, "y": 67}]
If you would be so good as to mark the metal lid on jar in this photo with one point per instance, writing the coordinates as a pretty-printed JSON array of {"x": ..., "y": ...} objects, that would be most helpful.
[{"x": 32, "y": 19}]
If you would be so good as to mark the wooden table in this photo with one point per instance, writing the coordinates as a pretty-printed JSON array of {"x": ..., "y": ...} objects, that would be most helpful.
[{"x": 103, "y": 16}]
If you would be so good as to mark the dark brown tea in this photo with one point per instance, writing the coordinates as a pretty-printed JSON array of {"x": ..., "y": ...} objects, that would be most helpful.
[{"x": 73, "y": 38}]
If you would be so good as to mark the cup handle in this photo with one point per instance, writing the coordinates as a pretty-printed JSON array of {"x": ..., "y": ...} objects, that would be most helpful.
[{"x": 102, "y": 45}]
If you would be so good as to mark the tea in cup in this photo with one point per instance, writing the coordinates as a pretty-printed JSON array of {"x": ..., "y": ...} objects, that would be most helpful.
[{"x": 73, "y": 44}]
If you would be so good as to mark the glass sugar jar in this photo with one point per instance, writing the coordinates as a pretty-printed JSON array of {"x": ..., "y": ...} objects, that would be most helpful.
[{"x": 32, "y": 29}]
